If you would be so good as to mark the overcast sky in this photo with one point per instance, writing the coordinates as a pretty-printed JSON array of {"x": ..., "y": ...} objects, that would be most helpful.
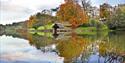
[{"x": 19, "y": 10}]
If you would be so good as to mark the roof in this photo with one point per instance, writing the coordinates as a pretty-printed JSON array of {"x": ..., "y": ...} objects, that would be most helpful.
[{"x": 60, "y": 25}]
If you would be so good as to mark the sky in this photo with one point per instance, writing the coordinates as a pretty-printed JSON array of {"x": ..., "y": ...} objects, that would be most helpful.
[{"x": 20, "y": 10}]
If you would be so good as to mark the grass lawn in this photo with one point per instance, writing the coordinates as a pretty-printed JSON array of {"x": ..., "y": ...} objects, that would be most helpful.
[
  {"x": 90, "y": 30},
  {"x": 49, "y": 26},
  {"x": 86, "y": 30}
]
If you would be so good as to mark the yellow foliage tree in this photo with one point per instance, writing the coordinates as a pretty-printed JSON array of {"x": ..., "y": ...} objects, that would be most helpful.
[
  {"x": 32, "y": 20},
  {"x": 72, "y": 12},
  {"x": 104, "y": 11}
]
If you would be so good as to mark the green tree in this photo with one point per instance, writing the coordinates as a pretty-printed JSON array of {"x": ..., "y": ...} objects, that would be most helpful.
[
  {"x": 40, "y": 20},
  {"x": 117, "y": 20}
]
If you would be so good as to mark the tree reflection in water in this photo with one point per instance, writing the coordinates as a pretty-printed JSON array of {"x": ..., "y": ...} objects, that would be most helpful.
[
  {"x": 110, "y": 53},
  {"x": 71, "y": 48},
  {"x": 79, "y": 48}
]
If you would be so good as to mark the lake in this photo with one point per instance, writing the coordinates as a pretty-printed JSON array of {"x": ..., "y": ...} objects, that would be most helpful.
[{"x": 45, "y": 47}]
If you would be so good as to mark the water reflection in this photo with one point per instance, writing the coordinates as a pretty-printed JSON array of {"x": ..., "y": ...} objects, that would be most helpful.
[
  {"x": 17, "y": 50},
  {"x": 102, "y": 47}
]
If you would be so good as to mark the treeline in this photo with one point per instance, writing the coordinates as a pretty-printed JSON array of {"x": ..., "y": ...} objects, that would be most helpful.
[
  {"x": 78, "y": 16},
  {"x": 40, "y": 19},
  {"x": 113, "y": 17},
  {"x": 70, "y": 12}
]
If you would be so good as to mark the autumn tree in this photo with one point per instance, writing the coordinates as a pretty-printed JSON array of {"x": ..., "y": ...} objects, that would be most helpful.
[
  {"x": 44, "y": 19},
  {"x": 72, "y": 47},
  {"x": 40, "y": 19},
  {"x": 105, "y": 11},
  {"x": 71, "y": 12},
  {"x": 32, "y": 20}
]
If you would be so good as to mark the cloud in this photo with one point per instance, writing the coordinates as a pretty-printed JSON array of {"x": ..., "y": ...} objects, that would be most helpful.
[
  {"x": 13, "y": 13},
  {"x": 18, "y": 10}
]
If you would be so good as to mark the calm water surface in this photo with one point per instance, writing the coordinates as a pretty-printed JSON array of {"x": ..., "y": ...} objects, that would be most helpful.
[{"x": 101, "y": 47}]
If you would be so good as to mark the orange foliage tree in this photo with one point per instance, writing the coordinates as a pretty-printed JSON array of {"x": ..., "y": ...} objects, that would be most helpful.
[
  {"x": 104, "y": 11},
  {"x": 72, "y": 12},
  {"x": 32, "y": 20}
]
